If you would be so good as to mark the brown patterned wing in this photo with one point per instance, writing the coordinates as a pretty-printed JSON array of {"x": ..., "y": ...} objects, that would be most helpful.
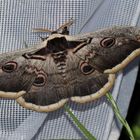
[
  {"x": 64, "y": 67},
  {"x": 58, "y": 82},
  {"x": 46, "y": 84},
  {"x": 112, "y": 49},
  {"x": 31, "y": 81}
]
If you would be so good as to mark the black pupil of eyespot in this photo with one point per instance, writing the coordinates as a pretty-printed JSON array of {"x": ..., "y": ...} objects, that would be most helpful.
[
  {"x": 9, "y": 67},
  {"x": 87, "y": 68},
  {"x": 39, "y": 80},
  {"x": 108, "y": 42}
]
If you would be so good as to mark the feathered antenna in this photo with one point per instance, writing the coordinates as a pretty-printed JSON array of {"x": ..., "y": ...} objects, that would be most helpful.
[{"x": 63, "y": 29}]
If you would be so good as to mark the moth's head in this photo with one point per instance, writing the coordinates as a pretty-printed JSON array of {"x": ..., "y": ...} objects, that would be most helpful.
[
  {"x": 55, "y": 36},
  {"x": 62, "y": 30}
]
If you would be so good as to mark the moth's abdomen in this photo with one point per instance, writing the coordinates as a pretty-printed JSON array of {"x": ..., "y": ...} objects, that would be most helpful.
[{"x": 60, "y": 59}]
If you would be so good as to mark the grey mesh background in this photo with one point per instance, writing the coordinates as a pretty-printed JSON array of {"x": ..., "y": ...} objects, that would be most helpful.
[{"x": 17, "y": 18}]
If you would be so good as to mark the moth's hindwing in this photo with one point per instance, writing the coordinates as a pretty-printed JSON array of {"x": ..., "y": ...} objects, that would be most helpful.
[{"x": 81, "y": 68}]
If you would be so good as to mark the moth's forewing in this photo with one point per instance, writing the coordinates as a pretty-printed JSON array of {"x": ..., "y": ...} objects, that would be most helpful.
[
  {"x": 14, "y": 76},
  {"x": 112, "y": 49}
]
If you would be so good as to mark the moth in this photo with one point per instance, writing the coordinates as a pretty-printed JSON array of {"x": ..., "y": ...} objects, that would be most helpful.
[{"x": 62, "y": 67}]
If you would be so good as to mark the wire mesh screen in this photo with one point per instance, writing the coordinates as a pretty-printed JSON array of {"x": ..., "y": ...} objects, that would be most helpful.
[{"x": 17, "y": 18}]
